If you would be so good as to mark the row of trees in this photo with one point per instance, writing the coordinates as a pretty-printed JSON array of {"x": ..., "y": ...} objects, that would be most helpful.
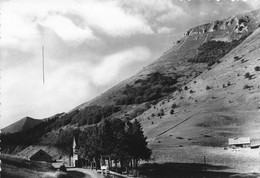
[{"x": 117, "y": 141}]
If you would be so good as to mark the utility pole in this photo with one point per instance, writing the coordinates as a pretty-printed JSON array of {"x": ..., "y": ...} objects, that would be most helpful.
[{"x": 43, "y": 77}]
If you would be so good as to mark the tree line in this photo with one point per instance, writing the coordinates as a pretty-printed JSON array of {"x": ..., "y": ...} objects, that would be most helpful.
[{"x": 113, "y": 141}]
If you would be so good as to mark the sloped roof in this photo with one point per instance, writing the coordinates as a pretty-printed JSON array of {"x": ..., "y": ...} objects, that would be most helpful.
[
  {"x": 39, "y": 152},
  {"x": 28, "y": 152},
  {"x": 255, "y": 143},
  {"x": 239, "y": 141}
]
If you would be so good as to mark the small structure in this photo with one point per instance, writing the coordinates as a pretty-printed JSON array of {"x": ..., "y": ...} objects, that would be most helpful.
[
  {"x": 41, "y": 155},
  {"x": 255, "y": 144},
  {"x": 242, "y": 142},
  {"x": 104, "y": 169},
  {"x": 54, "y": 152},
  {"x": 74, "y": 157}
]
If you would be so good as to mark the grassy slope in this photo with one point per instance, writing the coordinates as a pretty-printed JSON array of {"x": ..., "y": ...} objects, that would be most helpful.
[
  {"x": 210, "y": 117},
  {"x": 198, "y": 106},
  {"x": 175, "y": 60}
]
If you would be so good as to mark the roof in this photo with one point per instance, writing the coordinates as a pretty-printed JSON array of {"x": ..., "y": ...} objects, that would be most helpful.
[
  {"x": 41, "y": 152},
  {"x": 28, "y": 152},
  {"x": 239, "y": 141},
  {"x": 255, "y": 143}
]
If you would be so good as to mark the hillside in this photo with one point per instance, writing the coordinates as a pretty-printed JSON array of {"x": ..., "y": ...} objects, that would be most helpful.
[
  {"x": 202, "y": 91},
  {"x": 182, "y": 62},
  {"x": 220, "y": 103},
  {"x": 24, "y": 124}
]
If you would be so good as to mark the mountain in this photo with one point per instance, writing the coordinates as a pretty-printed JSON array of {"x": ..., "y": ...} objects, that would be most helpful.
[
  {"x": 187, "y": 59},
  {"x": 24, "y": 124},
  {"x": 202, "y": 91}
]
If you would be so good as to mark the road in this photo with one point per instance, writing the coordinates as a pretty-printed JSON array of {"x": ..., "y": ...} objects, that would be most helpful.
[{"x": 88, "y": 173}]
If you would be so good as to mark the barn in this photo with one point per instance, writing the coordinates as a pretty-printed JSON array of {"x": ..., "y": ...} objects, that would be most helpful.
[
  {"x": 242, "y": 142},
  {"x": 41, "y": 155},
  {"x": 29, "y": 152}
]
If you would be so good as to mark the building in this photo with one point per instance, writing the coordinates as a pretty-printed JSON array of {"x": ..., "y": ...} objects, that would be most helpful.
[
  {"x": 242, "y": 142},
  {"x": 255, "y": 144},
  {"x": 74, "y": 158},
  {"x": 41, "y": 155},
  {"x": 54, "y": 152}
]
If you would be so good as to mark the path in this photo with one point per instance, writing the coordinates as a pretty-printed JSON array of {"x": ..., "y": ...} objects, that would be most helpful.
[{"x": 88, "y": 173}]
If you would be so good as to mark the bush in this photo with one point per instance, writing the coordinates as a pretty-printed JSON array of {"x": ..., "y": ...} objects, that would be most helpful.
[
  {"x": 161, "y": 112},
  {"x": 174, "y": 105},
  {"x": 247, "y": 87},
  {"x": 257, "y": 68},
  {"x": 236, "y": 58},
  {"x": 208, "y": 87},
  {"x": 249, "y": 76},
  {"x": 212, "y": 51},
  {"x": 172, "y": 112},
  {"x": 191, "y": 91}
]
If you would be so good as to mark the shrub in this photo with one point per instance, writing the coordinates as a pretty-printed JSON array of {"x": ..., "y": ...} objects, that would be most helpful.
[
  {"x": 185, "y": 88},
  {"x": 211, "y": 51},
  {"x": 228, "y": 84},
  {"x": 161, "y": 112},
  {"x": 223, "y": 86},
  {"x": 236, "y": 58},
  {"x": 174, "y": 105},
  {"x": 243, "y": 60},
  {"x": 191, "y": 91},
  {"x": 257, "y": 68},
  {"x": 172, "y": 112},
  {"x": 247, "y": 86},
  {"x": 249, "y": 76},
  {"x": 208, "y": 87}
]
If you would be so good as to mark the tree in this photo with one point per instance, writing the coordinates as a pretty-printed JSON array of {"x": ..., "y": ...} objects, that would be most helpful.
[
  {"x": 257, "y": 68},
  {"x": 138, "y": 145}
]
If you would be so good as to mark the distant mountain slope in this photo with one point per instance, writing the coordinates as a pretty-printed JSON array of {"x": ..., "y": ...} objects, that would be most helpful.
[
  {"x": 202, "y": 91},
  {"x": 221, "y": 103},
  {"x": 184, "y": 61},
  {"x": 23, "y": 124}
]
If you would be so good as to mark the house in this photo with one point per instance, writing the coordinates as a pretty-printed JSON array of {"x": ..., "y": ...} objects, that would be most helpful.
[
  {"x": 242, "y": 142},
  {"x": 41, "y": 155},
  {"x": 255, "y": 144},
  {"x": 28, "y": 152}
]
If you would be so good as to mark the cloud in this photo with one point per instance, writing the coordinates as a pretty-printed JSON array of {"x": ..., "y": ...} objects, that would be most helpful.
[
  {"x": 254, "y": 4},
  {"x": 23, "y": 91},
  {"x": 113, "y": 20},
  {"x": 107, "y": 17},
  {"x": 156, "y": 12},
  {"x": 112, "y": 65},
  {"x": 67, "y": 30},
  {"x": 164, "y": 30},
  {"x": 66, "y": 84}
]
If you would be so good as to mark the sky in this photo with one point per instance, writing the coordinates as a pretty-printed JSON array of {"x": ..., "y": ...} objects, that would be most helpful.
[{"x": 89, "y": 46}]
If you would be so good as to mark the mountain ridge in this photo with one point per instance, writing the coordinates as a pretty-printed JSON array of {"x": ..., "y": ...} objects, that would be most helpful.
[
  {"x": 231, "y": 28},
  {"x": 189, "y": 96},
  {"x": 23, "y": 124}
]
